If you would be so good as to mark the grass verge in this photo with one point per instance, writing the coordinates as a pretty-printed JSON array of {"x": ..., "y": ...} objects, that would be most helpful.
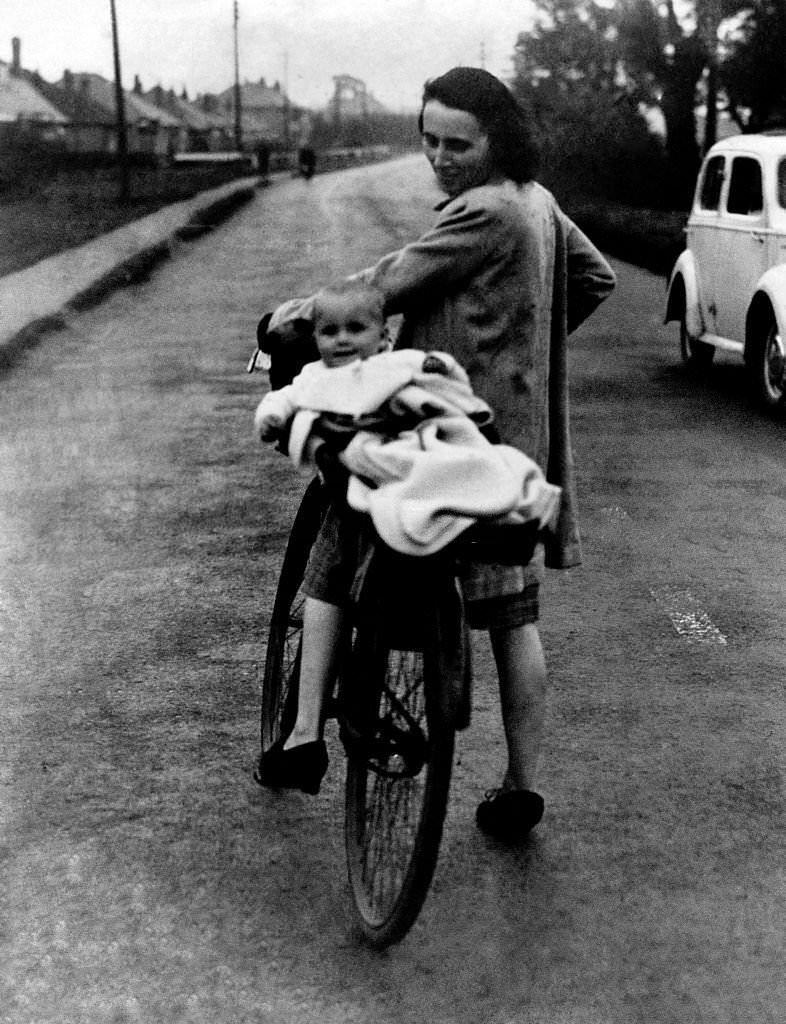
[{"x": 76, "y": 206}]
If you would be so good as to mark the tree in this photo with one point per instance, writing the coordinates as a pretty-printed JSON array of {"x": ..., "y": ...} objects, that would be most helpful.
[
  {"x": 754, "y": 73},
  {"x": 571, "y": 49},
  {"x": 569, "y": 71},
  {"x": 654, "y": 53},
  {"x": 671, "y": 54}
]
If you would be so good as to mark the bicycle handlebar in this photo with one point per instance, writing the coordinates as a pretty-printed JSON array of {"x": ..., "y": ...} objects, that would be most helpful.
[{"x": 283, "y": 359}]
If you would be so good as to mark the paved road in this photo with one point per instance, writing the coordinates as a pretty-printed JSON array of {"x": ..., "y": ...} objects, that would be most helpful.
[{"x": 147, "y": 879}]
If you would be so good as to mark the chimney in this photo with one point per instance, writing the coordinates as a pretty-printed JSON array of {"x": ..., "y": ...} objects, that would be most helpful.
[
  {"x": 16, "y": 49},
  {"x": 68, "y": 81}
]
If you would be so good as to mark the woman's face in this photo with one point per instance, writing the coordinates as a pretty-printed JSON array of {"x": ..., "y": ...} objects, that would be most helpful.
[{"x": 457, "y": 148}]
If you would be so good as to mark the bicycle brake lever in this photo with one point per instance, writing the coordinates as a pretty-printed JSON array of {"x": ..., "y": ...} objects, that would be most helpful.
[
  {"x": 259, "y": 360},
  {"x": 261, "y": 357}
]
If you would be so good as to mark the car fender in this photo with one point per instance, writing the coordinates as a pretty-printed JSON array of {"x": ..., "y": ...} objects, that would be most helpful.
[
  {"x": 684, "y": 276},
  {"x": 772, "y": 285}
]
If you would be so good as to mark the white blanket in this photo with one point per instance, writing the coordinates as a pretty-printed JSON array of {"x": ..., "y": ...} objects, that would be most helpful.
[{"x": 427, "y": 486}]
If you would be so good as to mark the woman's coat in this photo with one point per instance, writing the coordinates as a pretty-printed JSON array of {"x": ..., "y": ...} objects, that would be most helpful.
[{"x": 499, "y": 282}]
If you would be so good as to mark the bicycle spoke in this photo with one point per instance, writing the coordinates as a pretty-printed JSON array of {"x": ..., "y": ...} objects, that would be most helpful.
[
  {"x": 396, "y": 799},
  {"x": 390, "y": 833}
]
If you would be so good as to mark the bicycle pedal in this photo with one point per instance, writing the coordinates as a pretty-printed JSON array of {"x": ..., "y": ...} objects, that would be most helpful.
[{"x": 402, "y": 752}]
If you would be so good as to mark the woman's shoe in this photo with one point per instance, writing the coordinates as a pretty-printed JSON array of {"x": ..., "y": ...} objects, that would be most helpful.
[
  {"x": 302, "y": 767},
  {"x": 509, "y": 815}
]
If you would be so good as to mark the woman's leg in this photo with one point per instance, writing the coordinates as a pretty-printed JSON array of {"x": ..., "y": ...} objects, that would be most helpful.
[
  {"x": 521, "y": 666},
  {"x": 321, "y": 636}
]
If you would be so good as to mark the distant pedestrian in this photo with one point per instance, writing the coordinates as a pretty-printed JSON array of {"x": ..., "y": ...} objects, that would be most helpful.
[
  {"x": 263, "y": 162},
  {"x": 307, "y": 161}
]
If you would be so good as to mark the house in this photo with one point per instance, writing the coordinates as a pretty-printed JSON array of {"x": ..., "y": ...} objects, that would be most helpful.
[
  {"x": 150, "y": 130},
  {"x": 267, "y": 115},
  {"x": 23, "y": 107},
  {"x": 203, "y": 131},
  {"x": 90, "y": 128}
]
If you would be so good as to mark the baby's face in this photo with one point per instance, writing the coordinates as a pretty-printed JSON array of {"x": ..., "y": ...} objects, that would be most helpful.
[{"x": 346, "y": 329}]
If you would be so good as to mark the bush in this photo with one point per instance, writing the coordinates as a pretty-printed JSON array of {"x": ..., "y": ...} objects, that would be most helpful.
[
  {"x": 652, "y": 239},
  {"x": 29, "y": 154},
  {"x": 609, "y": 152}
]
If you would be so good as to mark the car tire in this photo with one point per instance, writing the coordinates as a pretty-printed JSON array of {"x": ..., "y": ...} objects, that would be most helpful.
[
  {"x": 766, "y": 363},
  {"x": 697, "y": 355}
]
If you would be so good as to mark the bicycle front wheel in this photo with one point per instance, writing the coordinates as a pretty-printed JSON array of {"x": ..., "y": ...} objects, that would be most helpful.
[
  {"x": 282, "y": 660},
  {"x": 398, "y": 778}
]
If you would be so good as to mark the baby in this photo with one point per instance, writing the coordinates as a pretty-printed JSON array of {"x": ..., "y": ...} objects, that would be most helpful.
[{"x": 358, "y": 381}]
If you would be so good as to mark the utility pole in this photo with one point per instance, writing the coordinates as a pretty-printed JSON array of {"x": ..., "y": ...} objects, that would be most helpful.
[
  {"x": 286, "y": 100},
  {"x": 238, "y": 121},
  {"x": 120, "y": 103}
]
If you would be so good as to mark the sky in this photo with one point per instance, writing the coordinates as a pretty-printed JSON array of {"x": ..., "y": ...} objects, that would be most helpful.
[{"x": 392, "y": 45}]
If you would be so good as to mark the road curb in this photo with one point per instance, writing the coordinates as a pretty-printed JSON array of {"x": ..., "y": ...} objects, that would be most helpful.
[{"x": 38, "y": 300}]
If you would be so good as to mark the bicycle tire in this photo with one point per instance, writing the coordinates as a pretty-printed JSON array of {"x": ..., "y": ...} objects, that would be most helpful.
[
  {"x": 282, "y": 658},
  {"x": 394, "y": 814}
]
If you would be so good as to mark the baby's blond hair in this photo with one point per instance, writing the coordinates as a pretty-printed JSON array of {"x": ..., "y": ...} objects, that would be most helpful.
[{"x": 371, "y": 297}]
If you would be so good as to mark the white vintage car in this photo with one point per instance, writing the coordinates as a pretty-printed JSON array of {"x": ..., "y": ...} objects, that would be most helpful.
[{"x": 728, "y": 287}]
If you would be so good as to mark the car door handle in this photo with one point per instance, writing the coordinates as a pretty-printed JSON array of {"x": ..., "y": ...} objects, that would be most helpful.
[{"x": 758, "y": 236}]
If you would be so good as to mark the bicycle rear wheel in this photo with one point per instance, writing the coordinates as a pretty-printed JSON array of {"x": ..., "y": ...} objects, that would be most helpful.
[
  {"x": 400, "y": 753},
  {"x": 282, "y": 660}
]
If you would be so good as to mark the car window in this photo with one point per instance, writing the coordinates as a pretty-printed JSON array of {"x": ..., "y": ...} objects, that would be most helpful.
[
  {"x": 782, "y": 184},
  {"x": 745, "y": 194},
  {"x": 712, "y": 182}
]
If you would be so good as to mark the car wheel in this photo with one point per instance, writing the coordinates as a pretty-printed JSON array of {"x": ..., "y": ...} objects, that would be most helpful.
[
  {"x": 767, "y": 365},
  {"x": 696, "y": 354}
]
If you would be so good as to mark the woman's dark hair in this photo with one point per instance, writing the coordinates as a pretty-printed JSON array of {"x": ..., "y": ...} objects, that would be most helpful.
[{"x": 514, "y": 147}]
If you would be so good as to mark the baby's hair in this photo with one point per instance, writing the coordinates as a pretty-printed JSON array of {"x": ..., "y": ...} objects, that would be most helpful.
[{"x": 369, "y": 294}]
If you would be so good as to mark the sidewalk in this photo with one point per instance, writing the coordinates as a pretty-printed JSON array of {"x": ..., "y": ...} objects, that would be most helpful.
[{"x": 40, "y": 297}]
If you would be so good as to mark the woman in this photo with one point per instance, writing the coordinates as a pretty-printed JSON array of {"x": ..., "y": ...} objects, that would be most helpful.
[{"x": 498, "y": 282}]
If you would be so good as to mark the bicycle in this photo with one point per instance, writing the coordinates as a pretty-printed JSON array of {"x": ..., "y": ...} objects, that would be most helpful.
[{"x": 403, "y": 689}]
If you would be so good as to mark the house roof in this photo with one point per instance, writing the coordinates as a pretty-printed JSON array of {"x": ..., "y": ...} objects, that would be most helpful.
[
  {"x": 19, "y": 100},
  {"x": 257, "y": 95},
  {"x": 77, "y": 106},
  {"x": 147, "y": 111},
  {"x": 188, "y": 113},
  {"x": 102, "y": 93}
]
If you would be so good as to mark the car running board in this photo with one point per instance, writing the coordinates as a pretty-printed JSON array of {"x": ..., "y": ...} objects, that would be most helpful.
[{"x": 725, "y": 343}]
